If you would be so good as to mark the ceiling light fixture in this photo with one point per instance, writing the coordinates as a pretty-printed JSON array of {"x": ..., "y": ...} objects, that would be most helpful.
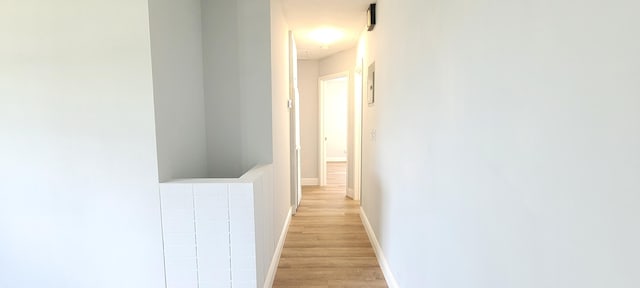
[{"x": 326, "y": 36}]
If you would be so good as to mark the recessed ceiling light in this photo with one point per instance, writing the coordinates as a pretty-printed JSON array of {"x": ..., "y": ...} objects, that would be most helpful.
[{"x": 326, "y": 36}]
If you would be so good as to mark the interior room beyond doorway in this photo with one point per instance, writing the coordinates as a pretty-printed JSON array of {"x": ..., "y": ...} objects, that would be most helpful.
[{"x": 309, "y": 74}]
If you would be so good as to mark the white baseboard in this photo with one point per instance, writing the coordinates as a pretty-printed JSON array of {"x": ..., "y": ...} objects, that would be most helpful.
[
  {"x": 310, "y": 182},
  {"x": 336, "y": 159},
  {"x": 271, "y": 274},
  {"x": 384, "y": 265},
  {"x": 351, "y": 193}
]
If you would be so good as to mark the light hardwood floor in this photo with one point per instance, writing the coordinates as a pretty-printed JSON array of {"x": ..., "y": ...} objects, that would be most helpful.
[{"x": 326, "y": 245}]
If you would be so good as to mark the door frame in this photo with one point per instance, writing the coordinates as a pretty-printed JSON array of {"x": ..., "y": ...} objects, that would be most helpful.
[
  {"x": 357, "y": 127},
  {"x": 322, "y": 140},
  {"x": 294, "y": 126}
]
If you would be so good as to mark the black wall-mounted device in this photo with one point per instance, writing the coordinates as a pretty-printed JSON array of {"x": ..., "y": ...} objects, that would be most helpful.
[{"x": 371, "y": 17}]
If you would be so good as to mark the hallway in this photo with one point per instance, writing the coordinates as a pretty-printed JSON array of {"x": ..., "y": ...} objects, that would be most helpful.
[{"x": 327, "y": 245}]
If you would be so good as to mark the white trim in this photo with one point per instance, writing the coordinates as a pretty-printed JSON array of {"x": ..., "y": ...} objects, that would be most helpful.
[
  {"x": 310, "y": 182},
  {"x": 350, "y": 193},
  {"x": 271, "y": 274},
  {"x": 337, "y": 159},
  {"x": 357, "y": 122},
  {"x": 294, "y": 127},
  {"x": 321, "y": 146},
  {"x": 384, "y": 265}
]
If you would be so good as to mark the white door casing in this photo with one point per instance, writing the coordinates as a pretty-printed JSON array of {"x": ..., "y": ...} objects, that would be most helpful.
[
  {"x": 323, "y": 137},
  {"x": 294, "y": 120}
]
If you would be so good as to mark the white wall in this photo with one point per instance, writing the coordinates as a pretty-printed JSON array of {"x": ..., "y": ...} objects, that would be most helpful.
[
  {"x": 510, "y": 131},
  {"x": 176, "y": 47},
  {"x": 339, "y": 62},
  {"x": 280, "y": 131},
  {"x": 79, "y": 200},
  {"x": 335, "y": 93},
  {"x": 309, "y": 117}
]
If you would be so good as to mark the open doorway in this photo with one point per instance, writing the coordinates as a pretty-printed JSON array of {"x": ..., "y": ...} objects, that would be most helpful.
[
  {"x": 315, "y": 76},
  {"x": 333, "y": 103}
]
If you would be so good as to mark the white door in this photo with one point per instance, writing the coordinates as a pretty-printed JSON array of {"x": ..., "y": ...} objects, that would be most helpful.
[{"x": 294, "y": 120}]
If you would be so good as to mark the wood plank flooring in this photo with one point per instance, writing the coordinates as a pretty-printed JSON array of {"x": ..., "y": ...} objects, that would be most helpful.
[{"x": 326, "y": 245}]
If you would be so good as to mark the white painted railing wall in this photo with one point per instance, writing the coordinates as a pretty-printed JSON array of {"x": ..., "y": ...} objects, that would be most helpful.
[{"x": 219, "y": 232}]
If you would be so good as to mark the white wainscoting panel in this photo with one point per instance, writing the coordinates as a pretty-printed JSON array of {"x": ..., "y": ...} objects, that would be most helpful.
[
  {"x": 219, "y": 233},
  {"x": 179, "y": 236},
  {"x": 212, "y": 217}
]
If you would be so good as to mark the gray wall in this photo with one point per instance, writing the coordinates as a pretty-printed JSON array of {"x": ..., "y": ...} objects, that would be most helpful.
[
  {"x": 176, "y": 48},
  {"x": 507, "y": 149},
  {"x": 254, "y": 18},
  {"x": 212, "y": 86},
  {"x": 79, "y": 200},
  {"x": 309, "y": 117},
  {"x": 221, "y": 87},
  {"x": 237, "y": 85}
]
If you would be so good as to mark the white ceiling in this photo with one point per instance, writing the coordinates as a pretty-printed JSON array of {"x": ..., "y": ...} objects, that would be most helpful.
[{"x": 303, "y": 16}]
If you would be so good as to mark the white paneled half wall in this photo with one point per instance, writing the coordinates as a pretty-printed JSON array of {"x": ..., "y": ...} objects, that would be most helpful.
[{"x": 219, "y": 232}]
